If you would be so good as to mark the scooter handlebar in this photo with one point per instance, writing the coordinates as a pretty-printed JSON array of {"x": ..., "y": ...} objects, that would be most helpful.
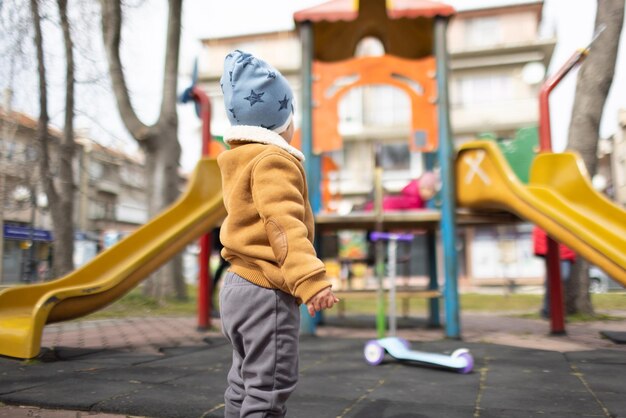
[{"x": 388, "y": 236}]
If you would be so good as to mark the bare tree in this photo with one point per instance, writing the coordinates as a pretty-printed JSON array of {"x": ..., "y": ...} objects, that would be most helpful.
[
  {"x": 160, "y": 140},
  {"x": 592, "y": 88},
  {"x": 60, "y": 193},
  {"x": 61, "y": 199}
]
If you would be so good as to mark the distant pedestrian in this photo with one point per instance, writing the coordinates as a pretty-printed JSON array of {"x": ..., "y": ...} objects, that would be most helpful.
[{"x": 268, "y": 240}]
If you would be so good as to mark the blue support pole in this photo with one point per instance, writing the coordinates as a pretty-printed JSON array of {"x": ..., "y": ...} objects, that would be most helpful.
[
  {"x": 311, "y": 164},
  {"x": 434, "y": 318},
  {"x": 448, "y": 204}
]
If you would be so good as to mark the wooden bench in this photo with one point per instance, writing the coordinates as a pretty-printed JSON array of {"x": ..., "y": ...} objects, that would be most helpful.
[{"x": 404, "y": 295}]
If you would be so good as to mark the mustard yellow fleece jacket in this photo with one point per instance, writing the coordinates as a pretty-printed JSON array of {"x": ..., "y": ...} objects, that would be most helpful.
[{"x": 269, "y": 228}]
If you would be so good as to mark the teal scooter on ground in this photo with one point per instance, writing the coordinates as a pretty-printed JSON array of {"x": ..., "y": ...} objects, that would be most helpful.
[{"x": 460, "y": 360}]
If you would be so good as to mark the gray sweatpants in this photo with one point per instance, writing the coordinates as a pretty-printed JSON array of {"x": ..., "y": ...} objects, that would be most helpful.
[{"x": 262, "y": 326}]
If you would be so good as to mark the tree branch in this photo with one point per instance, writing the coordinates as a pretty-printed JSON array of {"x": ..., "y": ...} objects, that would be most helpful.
[
  {"x": 67, "y": 144},
  {"x": 44, "y": 118},
  {"x": 170, "y": 75},
  {"x": 111, "y": 32}
]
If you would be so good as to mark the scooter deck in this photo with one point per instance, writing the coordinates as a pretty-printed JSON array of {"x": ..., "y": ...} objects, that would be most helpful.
[{"x": 396, "y": 348}]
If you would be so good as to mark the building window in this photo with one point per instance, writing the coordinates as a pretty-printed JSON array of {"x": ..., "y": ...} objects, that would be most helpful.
[
  {"x": 357, "y": 166},
  {"x": 10, "y": 150},
  {"x": 386, "y": 106},
  {"x": 395, "y": 157},
  {"x": 399, "y": 165},
  {"x": 351, "y": 111},
  {"x": 103, "y": 206},
  {"x": 375, "y": 105},
  {"x": 356, "y": 160},
  {"x": 31, "y": 153},
  {"x": 483, "y": 89},
  {"x": 481, "y": 32},
  {"x": 132, "y": 176},
  {"x": 96, "y": 170}
]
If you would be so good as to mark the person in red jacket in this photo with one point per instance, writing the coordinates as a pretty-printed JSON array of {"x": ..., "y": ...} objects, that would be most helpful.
[{"x": 566, "y": 255}]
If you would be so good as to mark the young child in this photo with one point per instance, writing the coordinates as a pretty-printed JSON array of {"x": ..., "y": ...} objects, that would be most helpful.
[{"x": 268, "y": 240}]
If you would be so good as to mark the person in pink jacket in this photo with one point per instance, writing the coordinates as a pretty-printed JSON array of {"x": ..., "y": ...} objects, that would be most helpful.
[{"x": 413, "y": 196}]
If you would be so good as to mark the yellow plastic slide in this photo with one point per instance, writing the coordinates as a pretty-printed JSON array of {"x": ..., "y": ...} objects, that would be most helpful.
[
  {"x": 559, "y": 198},
  {"x": 25, "y": 310}
]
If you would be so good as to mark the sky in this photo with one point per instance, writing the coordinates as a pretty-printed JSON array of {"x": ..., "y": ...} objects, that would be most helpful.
[
  {"x": 143, "y": 55},
  {"x": 574, "y": 29}
]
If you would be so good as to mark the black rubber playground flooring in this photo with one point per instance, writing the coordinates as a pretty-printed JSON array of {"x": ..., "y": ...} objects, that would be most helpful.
[{"x": 335, "y": 381}]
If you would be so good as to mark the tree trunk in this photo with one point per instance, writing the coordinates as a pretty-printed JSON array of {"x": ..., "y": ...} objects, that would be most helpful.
[
  {"x": 577, "y": 297},
  {"x": 63, "y": 208},
  {"x": 159, "y": 141},
  {"x": 162, "y": 176},
  {"x": 60, "y": 203},
  {"x": 592, "y": 88}
]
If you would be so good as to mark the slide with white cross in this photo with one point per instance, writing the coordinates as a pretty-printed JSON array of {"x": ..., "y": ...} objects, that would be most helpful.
[
  {"x": 558, "y": 198},
  {"x": 25, "y": 310}
]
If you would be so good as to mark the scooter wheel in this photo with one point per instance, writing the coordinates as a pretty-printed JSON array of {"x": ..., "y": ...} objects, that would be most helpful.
[
  {"x": 374, "y": 353},
  {"x": 464, "y": 354}
]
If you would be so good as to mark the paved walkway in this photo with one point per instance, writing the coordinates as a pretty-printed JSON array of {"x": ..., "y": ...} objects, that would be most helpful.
[{"x": 163, "y": 367}]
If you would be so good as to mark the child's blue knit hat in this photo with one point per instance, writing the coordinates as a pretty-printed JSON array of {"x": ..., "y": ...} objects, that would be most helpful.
[{"x": 255, "y": 93}]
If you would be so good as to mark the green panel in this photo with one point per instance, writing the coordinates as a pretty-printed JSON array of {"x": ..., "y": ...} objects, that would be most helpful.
[
  {"x": 220, "y": 139},
  {"x": 520, "y": 151}
]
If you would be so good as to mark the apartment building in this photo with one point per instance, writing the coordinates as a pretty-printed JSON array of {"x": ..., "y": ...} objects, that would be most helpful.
[
  {"x": 26, "y": 233},
  {"x": 498, "y": 63},
  {"x": 109, "y": 198}
]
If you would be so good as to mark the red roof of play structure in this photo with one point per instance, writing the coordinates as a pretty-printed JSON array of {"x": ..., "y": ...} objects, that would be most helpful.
[
  {"x": 330, "y": 11},
  {"x": 418, "y": 8},
  {"x": 335, "y": 10}
]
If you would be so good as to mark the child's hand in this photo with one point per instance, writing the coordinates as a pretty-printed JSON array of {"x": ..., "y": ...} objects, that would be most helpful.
[{"x": 324, "y": 299}]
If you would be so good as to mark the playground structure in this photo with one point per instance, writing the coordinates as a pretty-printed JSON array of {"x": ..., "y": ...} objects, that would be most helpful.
[
  {"x": 555, "y": 193},
  {"x": 563, "y": 202},
  {"x": 414, "y": 37}
]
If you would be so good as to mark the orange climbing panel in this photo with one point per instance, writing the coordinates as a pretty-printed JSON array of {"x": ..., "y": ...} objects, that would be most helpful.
[{"x": 415, "y": 77}]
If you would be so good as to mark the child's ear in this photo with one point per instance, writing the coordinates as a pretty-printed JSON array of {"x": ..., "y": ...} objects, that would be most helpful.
[{"x": 287, "y": 134}]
